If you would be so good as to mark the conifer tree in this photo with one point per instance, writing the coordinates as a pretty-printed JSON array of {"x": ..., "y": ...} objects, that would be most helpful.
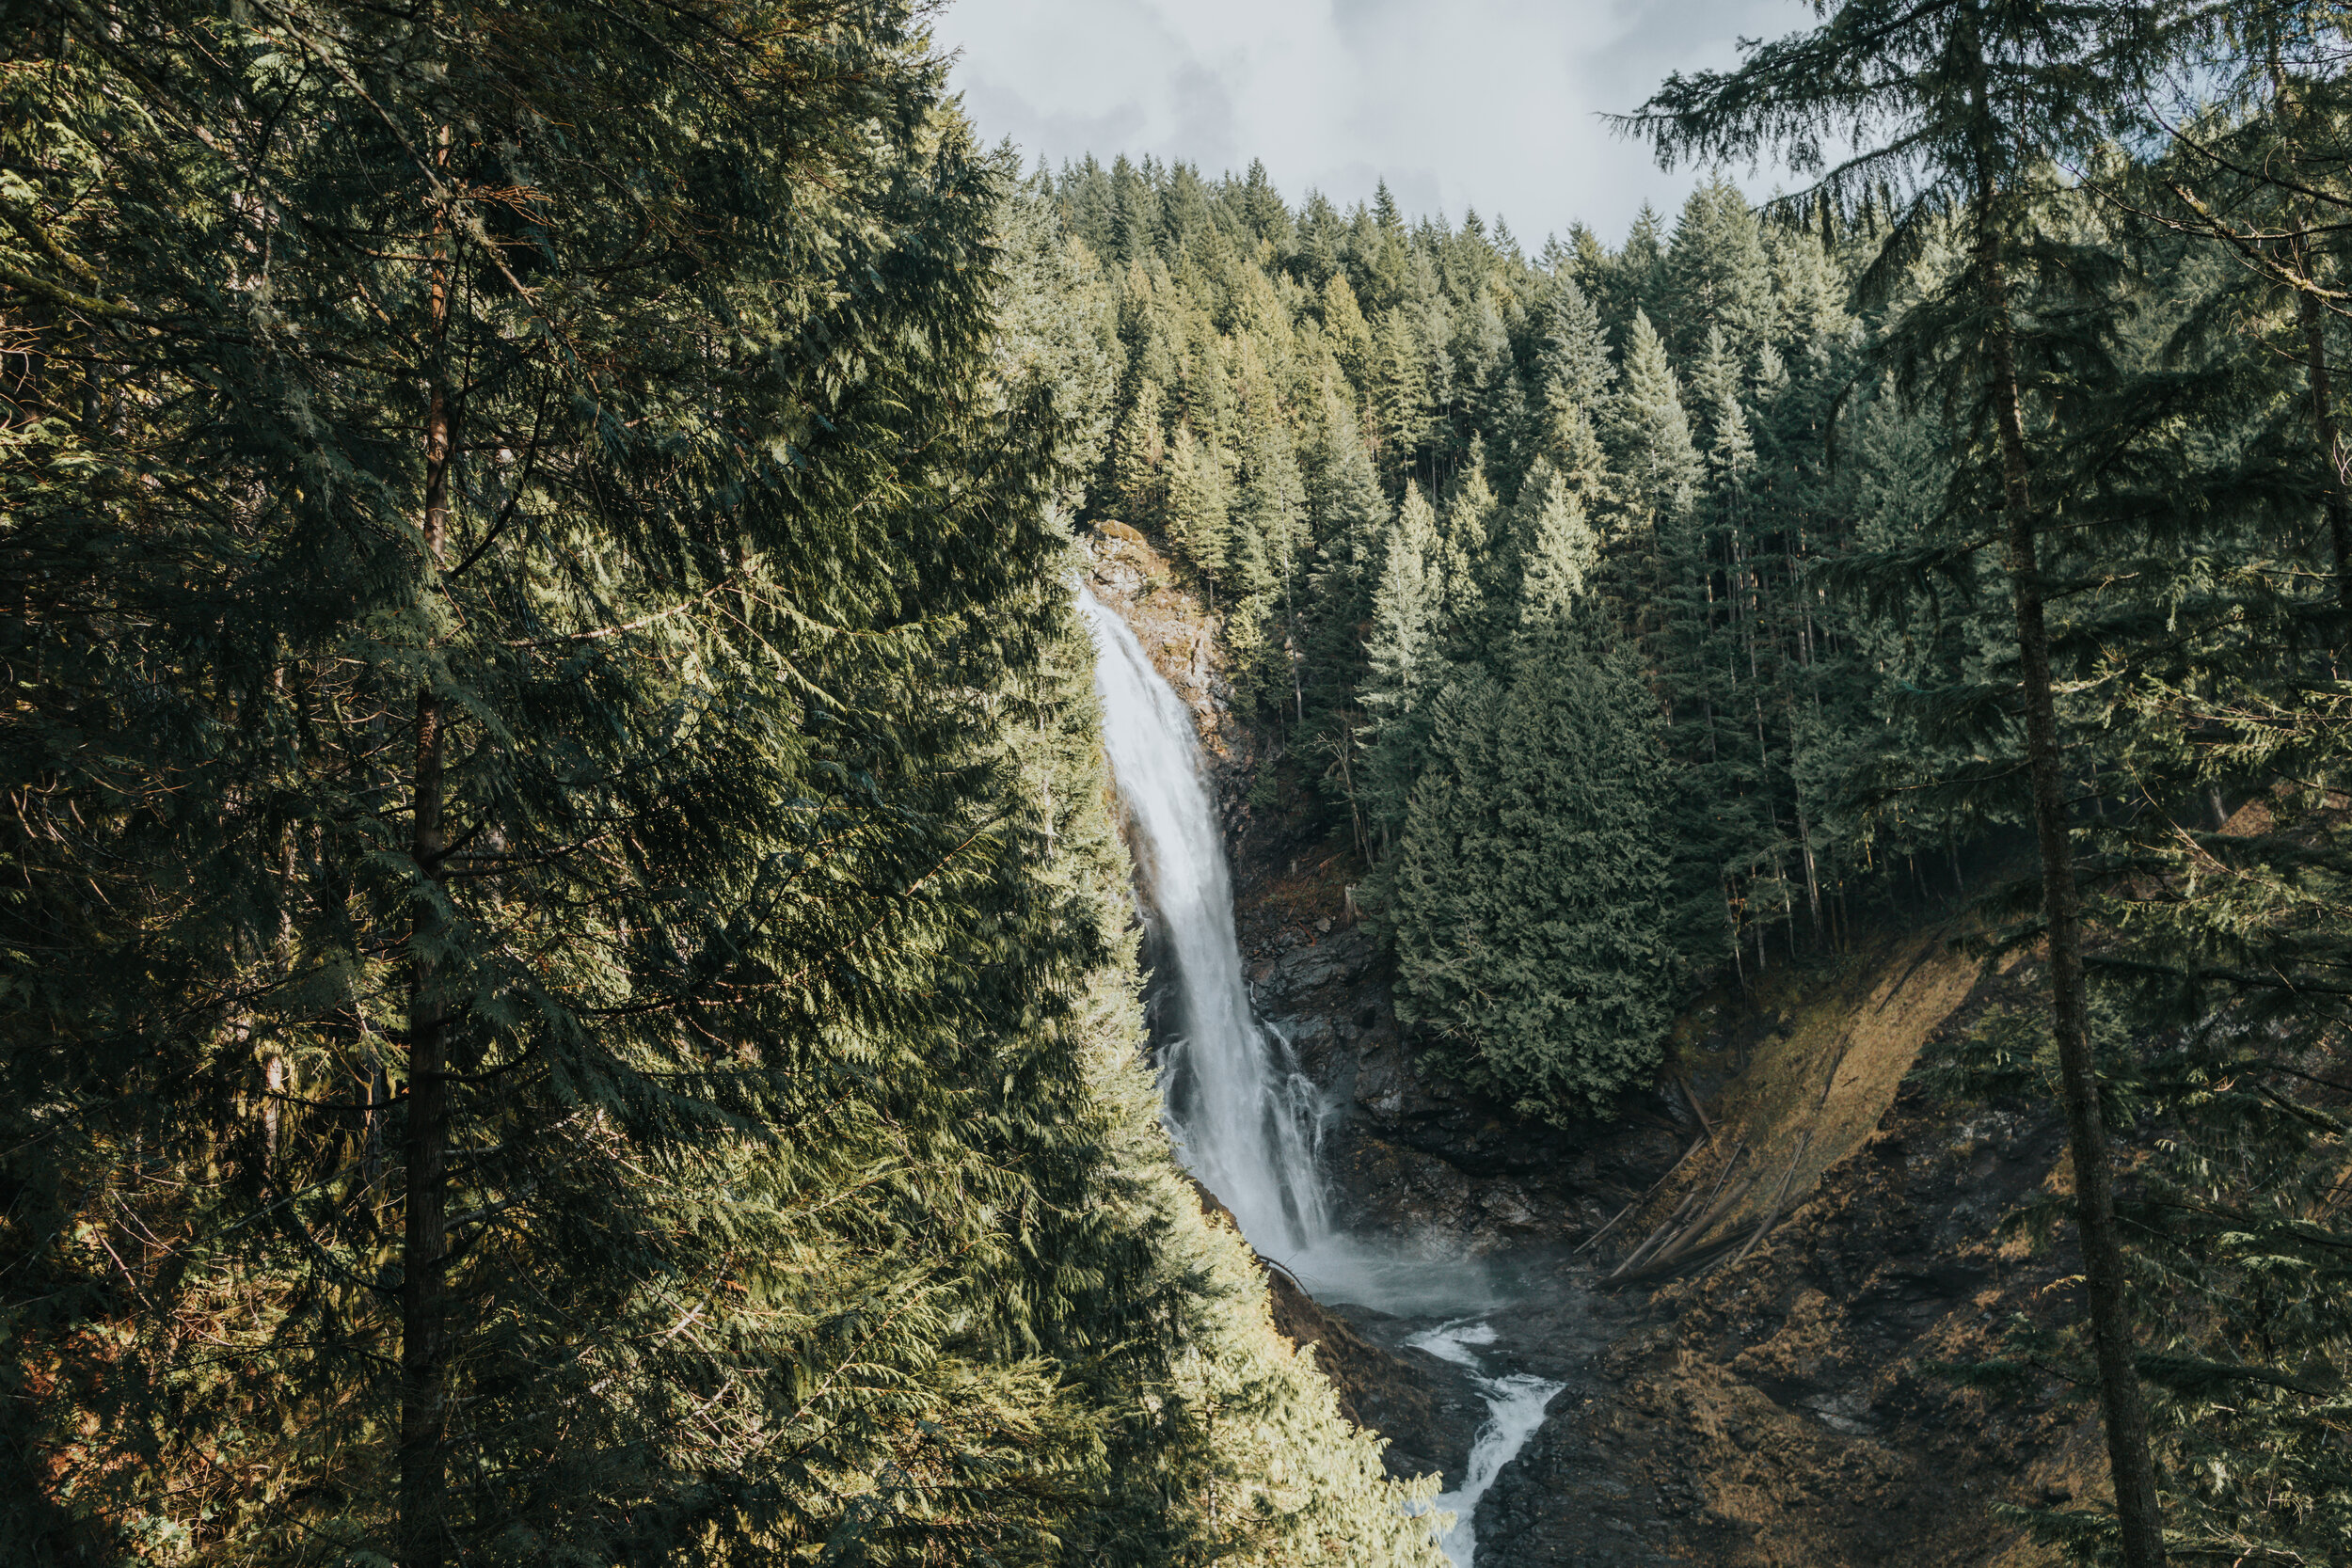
[
  {"x": 481, "y": 1044},
  {"x": 1967, "y": 103},
  {"x": 1200, "y": 501},
  {"x": 1662, "y": 471},
  {"x": 1716, "y": 276},
  {"x": 1404, "y": 661},
  {"x": 1403, "y": 399},
  {"x": 1465, "y": 560},
  {"x": 1530, "y": 893},
  {"x": 1629, "y": 281},
  {"x": 1555, "y": 553},
  {"x": 1577, "y": 382},
  {"x": 1350, "y": 334},
  {"x": 1350, "y": 523},
  {"x": 1577, "y": 369},
  {"x": 1139, "y": 457}
]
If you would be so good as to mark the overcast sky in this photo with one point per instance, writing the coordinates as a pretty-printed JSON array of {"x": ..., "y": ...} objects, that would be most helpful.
[{"x": 1489, "y": 103}]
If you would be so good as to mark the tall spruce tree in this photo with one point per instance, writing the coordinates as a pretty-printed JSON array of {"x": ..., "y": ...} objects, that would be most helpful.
[
  {"x": 1403, "y": 658},
  {"x": 1961, "y": 107},
  {"x": 1662, "y": 471},
  {"x": 1200, "y": 501},
  {"x": 1140, "y": 479},
  {"x": 1530, "y": 889}
]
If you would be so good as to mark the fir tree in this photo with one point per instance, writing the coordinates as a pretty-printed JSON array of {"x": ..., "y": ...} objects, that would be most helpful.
[
  {"x": 1403, "y": 657},
  {"x": 1530, "y": 899},
  {"x": 1716, "y": 276},
  {"x": 1968, "y": 106},
  {"x": 1350, "y": 334},
  {"x": 1653, "y": 451},
  {"x": 1465, "y": 560},
  {"x": 1139, "y": 456},
  {"x": 1200, "y": 501}
]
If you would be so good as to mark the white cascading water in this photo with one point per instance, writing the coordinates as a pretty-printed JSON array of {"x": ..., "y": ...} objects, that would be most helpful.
[
  {"x": 1244, "y": 1118},
  {"x": 1515, "y": 1408}
]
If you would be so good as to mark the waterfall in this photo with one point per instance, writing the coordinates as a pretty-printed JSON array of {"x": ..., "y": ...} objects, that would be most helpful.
[{"x": 1243, "y": 1118}]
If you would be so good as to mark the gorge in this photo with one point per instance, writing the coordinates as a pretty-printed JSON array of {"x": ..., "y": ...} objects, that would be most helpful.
[{"x": 1766, "y": 1391}]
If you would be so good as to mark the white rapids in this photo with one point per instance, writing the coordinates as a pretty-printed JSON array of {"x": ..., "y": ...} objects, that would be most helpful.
[
  {"x": 1244, "y": 1118},
  {"x": 1515, "y": 1408}
]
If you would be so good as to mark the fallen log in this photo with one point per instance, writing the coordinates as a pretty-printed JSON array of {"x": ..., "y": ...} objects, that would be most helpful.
[
  {"x": 1696, "y": 1144},
  {"x": 1772, "y": 1214},
  {"x": 1696, "y": 1231},
  {"x": 1663, "y": 1233}
]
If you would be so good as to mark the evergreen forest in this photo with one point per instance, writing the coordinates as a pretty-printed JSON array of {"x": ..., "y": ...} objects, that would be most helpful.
[{"x": 571, "y": 992}]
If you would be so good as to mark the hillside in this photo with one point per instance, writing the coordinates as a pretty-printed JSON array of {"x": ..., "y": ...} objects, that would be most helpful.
[{"x": 1758, "y": 1278}]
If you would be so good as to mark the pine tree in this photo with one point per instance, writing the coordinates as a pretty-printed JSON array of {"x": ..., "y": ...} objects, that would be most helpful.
[
  {"x": 1576, "y": 370},
  {"x": 1530, "y": 893},
  {"x": 1404, "y": 400},
  {"x": 1268, "y": 521},
  {"x": 1350, "y": 520},
  {"x": 1630, "y": 282},
  {"x": 1982, "y": 99},
  {"x": 1350, "y": 334},
  {"x": 1559, "y": 555},
  {"x": 1262, "y": 209},
  {"x": 524, "y": 970},
  {"x": 1465, "y": 560}
]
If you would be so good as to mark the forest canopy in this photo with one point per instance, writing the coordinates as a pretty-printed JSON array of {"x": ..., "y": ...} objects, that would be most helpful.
[{"x": 569, "y": 989}]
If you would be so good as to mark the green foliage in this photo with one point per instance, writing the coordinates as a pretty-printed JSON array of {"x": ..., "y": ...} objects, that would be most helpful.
[
  {"x": 569, "y": 985},
  {"x": 1533, "y": 879}
]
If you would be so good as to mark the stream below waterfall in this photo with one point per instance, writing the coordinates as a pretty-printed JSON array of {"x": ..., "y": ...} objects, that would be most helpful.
[{"x": 1249, "y": 1124}]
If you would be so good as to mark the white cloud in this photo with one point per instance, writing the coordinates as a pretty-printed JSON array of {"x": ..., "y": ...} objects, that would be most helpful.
[{"x": 1492, "y": 104}]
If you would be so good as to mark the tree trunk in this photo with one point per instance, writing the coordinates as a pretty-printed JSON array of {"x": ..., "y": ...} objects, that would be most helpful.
[
  {"x": 422, "y": 1539},
  {"x": 2119, "y": 1396},
  {"x": 2324, "y": 427},
  {"x": 2313, "y": 320}
]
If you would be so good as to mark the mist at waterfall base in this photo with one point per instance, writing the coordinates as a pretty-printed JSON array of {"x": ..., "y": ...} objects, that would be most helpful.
[{"x": 1244, "y": 1119}]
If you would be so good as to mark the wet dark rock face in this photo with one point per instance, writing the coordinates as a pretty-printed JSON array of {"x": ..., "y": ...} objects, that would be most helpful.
[{"x": 1412, "y": 1155}]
